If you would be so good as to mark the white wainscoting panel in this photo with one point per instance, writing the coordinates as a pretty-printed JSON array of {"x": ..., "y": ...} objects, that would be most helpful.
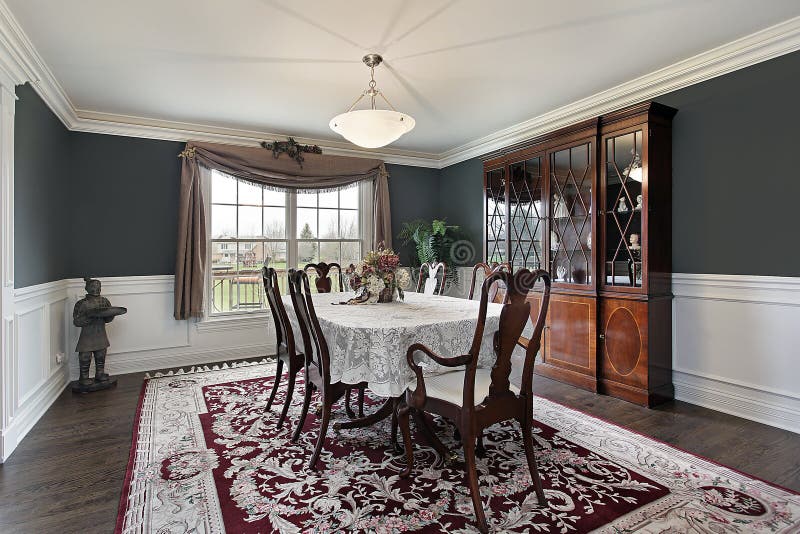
[
  {"x": 736, "y": 345},
  {"x": 148, "y": 337},
  {"x": 34, "y": 378}
]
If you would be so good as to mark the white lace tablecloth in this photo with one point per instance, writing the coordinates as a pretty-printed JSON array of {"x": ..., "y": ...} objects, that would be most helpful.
[{"x": 368, "y": 342}]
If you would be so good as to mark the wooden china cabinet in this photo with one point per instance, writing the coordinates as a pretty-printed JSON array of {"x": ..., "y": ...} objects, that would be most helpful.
[{"x": 592, "y": 204}]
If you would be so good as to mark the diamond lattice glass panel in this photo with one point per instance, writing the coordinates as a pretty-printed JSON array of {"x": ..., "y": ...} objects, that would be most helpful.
[
  {"x": 525, "y": 204},
  {"x": 495, "y": 216},
  {"x": 571, "y": 215},
  {"x": 623, "y": 210}
]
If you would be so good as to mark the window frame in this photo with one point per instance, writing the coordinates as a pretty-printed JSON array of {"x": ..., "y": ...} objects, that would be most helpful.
[{"x": 365, "y": 221}]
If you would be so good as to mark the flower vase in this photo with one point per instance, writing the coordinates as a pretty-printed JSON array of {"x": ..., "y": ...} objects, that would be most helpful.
[{"x": 389, "y": 294}]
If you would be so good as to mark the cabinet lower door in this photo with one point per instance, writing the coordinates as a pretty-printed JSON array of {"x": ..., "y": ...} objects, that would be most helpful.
[
  {"x": 570, "y": 341},
  {"x": 631, "y": 365}
]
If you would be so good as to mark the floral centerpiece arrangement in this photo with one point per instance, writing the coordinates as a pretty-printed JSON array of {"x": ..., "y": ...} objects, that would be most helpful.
[{"x": 377, "y": 278}]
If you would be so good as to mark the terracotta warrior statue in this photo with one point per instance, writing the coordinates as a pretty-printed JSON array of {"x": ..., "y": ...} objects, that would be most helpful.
[{"x": 91, "y": 314}]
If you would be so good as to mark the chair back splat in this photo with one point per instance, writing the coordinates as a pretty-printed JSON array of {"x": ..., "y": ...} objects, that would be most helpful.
[
  {"x": 316, "y": 348},
  {"x": 284, "y": 334},
  {"x": 323, "y": 281},
  {"x": 428, "y": 278},
  {"x": 497, "y": 293}
]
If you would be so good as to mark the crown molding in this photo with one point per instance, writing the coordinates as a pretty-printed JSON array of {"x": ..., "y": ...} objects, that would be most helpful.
[
  {"x": 765, "y": 44},
  {"x": 130, "y": 126},
  {"x": 20, "y": 63}
]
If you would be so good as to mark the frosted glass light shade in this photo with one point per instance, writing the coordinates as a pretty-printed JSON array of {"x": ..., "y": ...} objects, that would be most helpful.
[{"x": 372, "y": 128}]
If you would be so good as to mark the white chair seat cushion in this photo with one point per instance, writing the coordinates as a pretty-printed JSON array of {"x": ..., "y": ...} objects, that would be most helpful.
[{"x": 450, "y": 386}]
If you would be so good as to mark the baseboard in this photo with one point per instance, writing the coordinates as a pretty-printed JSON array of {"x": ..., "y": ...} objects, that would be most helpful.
[
  {"x": 770, "y": 408},
  {"x": 187, "y": 359},
  {"x": 36, "y": 406}
]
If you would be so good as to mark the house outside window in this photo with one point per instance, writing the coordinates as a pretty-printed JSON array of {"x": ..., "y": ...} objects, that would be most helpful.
[{"x": 252, "y": 226}]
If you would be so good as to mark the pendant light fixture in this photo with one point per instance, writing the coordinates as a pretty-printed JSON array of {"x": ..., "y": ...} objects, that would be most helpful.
[{"x": 372, "y": 128}]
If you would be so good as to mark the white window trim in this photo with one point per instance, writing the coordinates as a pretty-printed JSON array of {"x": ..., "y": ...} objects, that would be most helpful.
[{"x": 212, "y": 321}]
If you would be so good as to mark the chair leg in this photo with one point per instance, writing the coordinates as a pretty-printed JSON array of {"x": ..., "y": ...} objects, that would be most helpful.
[
  {"x": 472, "y": 479},
  {"x": 480, "y": 450},
  {"x": 361, "y": 402},
  {"x": 288, "y": 400},
  {"x": 323, "y": 431},
  {"x": 303, "y": 411},
  {"x": 278, "y": 373},
  {"x": 430, "y": 434},
  {"x": 531, "y": 457},
  {"x": 347, "y": 408},
  {"x": 402, "y": 420},
  {"x": 527, "y": 440}
]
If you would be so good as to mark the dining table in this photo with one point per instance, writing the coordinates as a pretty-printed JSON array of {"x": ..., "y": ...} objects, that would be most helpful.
[{"x": 368, "y": 342}]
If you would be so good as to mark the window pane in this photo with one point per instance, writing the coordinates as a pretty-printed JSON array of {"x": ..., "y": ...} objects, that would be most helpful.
[
  {"x": 274, "y": 198},
  {"x": 275, "y": 255},
  {"x": 348, "y": 219},
  {"x": 223, "y": 221},
  {"x": 306, "y": 223},
  {"x": 251, "y": 257},
  {"x": 329, "y": 252},
  {"x": 329, "y": 224},
  {"x": 329, "y": 200},
  {"x": 351, "y": 253},
  {"x": 307, "y": 252},
  {"x": 223, "y": 257},
  {"x": 307, "y": 200},
  {"x": 249, "y": 221},
  {"x": 275, "y": 222},
  {"x": 349, "y": 197},
  {"x": 249, "y": 193},
  {"x": 223, "y": 188}
]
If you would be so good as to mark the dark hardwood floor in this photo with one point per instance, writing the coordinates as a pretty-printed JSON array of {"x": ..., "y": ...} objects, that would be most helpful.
[{"x": 67, "y": 474}]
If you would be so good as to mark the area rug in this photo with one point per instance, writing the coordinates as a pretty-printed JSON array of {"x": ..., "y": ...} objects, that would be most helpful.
[{"x": 206, "y": 458}]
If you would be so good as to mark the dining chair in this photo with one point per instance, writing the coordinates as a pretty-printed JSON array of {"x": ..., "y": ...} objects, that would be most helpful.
[
  {"x": 323, "y": 285},
  {"x": 474, "y": 398},
  {"x": 317, "y": 359},
  {"x": 285, "y": 349},
  {"x": 323, "y": 281},
  {"x": 497, "y": 292},
  {"x": 429, "y": 273}
]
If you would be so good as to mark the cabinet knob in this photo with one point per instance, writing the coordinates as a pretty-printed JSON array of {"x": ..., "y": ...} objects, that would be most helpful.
[{"x": 602, "y": 336}]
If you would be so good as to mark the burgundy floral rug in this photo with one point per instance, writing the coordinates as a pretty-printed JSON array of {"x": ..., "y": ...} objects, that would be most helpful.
[{"x": 206, "y": 458}]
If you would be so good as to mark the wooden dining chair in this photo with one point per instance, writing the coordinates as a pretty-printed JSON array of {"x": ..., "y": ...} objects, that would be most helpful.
[
  {"x": 286, "y": 349},
  {"x": 323, "y": 281},
  {"x": 317, "y": 361},
  {"x": 474, "y": 398},
  {"x": 323, "y": 284},
  {"x": 497, "y": 293},
  {"x": 428, "y": 278}
]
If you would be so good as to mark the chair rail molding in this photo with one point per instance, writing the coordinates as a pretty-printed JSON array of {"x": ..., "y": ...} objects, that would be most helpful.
[
  {"x": 734, "y": 343},
  {"x": 771, "y": 42}
]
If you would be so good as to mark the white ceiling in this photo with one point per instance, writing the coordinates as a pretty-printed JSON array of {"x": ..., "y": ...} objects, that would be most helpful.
[{"x": 462, "y": 68}]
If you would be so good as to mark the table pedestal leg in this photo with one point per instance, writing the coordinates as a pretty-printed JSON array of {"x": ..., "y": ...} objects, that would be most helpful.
[{"x": 388, "y": 409}]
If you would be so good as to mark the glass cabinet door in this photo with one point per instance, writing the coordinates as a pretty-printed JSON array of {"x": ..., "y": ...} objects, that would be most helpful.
[
  {"x": 525, "y": 197},
  {"x": 570, "y": 199},
  {"x": 496, "y": 216},
  {"x": 623, "y": 210}
]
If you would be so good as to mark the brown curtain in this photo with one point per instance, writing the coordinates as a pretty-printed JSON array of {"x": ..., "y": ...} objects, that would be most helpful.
[{"x": 257, "y": 164}]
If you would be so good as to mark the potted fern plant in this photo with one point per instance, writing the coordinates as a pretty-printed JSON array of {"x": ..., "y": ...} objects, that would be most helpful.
[{"x": 434, "y": 242}]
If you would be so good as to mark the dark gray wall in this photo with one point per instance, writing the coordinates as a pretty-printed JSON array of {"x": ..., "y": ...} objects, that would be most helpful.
[
  {"x": 736, "y": 181},
  {"x": 125, "y": 205},
  {"x": 41, "y": 192},
  {"x": 735, "y": 175},
  {"x": 414, "y": 193},
  {"x": 461, "y": 201}
]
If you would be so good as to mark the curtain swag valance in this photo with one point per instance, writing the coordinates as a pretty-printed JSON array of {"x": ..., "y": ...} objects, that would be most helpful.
[{"x": 258, "y": 165}]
